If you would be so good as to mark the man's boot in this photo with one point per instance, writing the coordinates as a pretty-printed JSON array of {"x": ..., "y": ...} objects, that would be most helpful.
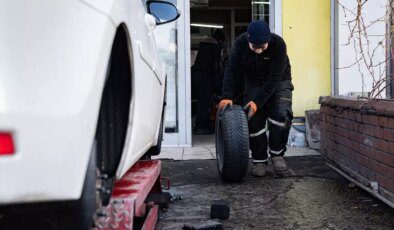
[
  {"x": 279, "y": 164},
  {"x": 259, "y": 170}
]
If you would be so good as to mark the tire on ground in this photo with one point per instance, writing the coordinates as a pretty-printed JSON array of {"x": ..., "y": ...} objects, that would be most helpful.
[
  {"x": 63, "y": 215},
  {"x": 83, "y": 211},
  {"x": 232, "y": 144}
]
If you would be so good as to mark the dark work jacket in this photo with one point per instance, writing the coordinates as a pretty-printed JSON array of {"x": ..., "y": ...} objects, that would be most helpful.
[
  {"x": 260, "y": 74},
  {"x": 208, "y": 57}
]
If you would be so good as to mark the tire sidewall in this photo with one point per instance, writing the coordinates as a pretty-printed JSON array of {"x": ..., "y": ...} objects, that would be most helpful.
[
  {"x": 232, "y": 144},
  {"x": 219, "y": 143}
]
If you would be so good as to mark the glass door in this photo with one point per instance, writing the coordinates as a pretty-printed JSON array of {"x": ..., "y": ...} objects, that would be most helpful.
[
  {"x": 169, "y": 37},
  {"x": 263, "y": 10},
  {"x": 167, "y": 46}
]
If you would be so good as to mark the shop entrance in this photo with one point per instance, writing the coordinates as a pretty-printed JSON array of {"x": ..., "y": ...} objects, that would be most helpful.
[{"x": 215, "y": 24}]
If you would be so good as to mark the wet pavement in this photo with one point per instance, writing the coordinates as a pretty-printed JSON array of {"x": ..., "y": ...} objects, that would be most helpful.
[{"x": 310, "y": 196}]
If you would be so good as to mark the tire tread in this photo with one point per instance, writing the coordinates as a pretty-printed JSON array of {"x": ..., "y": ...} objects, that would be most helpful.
[{"x": 235, "y": 135}]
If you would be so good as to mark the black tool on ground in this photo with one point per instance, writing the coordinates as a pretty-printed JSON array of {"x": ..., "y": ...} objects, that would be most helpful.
[
  {"x": 220, "y": 209},
  {"x": 232, "y": 143},
  {"x": 162, "y": 199}
]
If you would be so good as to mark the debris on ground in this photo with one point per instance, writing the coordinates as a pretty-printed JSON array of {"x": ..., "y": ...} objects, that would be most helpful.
[
  {"x": 313, "y": 196},
  {"x": 176, "y": 197}
]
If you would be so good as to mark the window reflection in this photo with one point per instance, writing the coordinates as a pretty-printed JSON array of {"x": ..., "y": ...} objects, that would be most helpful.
[
  {"x": 166, "y": 37},
  {"x": 260, "y": 9}
]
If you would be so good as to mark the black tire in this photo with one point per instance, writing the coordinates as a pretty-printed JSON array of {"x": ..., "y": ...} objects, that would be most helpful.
[
  {"x": 232, "y": 144},
  {"x": 65, "y": 215},
  {"x": 85, "y": 208},
  {"x": 80, "y": 214}
]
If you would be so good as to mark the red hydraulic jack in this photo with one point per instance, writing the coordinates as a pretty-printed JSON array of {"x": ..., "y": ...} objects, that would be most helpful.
[{"x": 128, "y": 202}]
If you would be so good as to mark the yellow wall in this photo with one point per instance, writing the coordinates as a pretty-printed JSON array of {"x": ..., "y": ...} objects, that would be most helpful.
[{"x": 306, "y": 30}]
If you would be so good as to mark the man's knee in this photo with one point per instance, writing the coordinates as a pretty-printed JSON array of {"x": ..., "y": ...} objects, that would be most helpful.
[
  {"x": 281, "y": 117},
  {"x": 279, "y": 123}
]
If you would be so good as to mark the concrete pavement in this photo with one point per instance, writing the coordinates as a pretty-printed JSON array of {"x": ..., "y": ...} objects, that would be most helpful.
[{"x": 312, "y": 197}]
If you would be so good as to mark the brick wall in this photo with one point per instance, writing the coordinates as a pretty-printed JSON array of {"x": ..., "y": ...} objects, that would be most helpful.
[{"x": 358, "y": 136}]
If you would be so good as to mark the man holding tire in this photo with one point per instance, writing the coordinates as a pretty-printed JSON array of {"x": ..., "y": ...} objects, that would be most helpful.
[{"x": 259, "y": 62}]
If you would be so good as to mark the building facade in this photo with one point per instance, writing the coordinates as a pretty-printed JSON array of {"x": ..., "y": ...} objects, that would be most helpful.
[{"x": 317, "y": 36}]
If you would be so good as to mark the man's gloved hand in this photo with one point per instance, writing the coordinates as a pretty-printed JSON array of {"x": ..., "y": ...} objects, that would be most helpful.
[
  {"x": 224, "y": 103},
  {"x": 252, "y": 108}
]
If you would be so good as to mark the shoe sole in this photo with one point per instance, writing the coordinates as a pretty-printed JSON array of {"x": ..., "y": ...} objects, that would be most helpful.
[
  {"x": 281, "y": 169},
  {"x": 258, "y": 175}
]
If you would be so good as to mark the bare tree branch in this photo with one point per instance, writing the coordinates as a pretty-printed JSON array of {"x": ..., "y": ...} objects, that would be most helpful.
[{"x": 367, "y": 58}]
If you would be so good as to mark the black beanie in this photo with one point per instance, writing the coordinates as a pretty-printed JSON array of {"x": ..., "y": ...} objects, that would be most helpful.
[{"x": 258, "y": 32}]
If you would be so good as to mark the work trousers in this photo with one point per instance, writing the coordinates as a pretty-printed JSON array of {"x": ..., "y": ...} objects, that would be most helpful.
[
  {"x": 278, "y": 112},
  {"x": 203, "y": 91}
]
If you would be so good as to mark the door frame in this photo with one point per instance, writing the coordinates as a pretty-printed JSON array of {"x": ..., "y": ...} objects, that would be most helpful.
[
  {"x": 184, "y": 136},
  {"x": 276, "y": 9}
]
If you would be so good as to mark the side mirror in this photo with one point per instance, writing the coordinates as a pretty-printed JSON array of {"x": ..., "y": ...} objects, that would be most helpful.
[{"x": 164, "y": 12}]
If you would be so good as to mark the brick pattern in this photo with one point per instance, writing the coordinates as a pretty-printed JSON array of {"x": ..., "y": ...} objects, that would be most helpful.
[{"x": 360, "y": 136}]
